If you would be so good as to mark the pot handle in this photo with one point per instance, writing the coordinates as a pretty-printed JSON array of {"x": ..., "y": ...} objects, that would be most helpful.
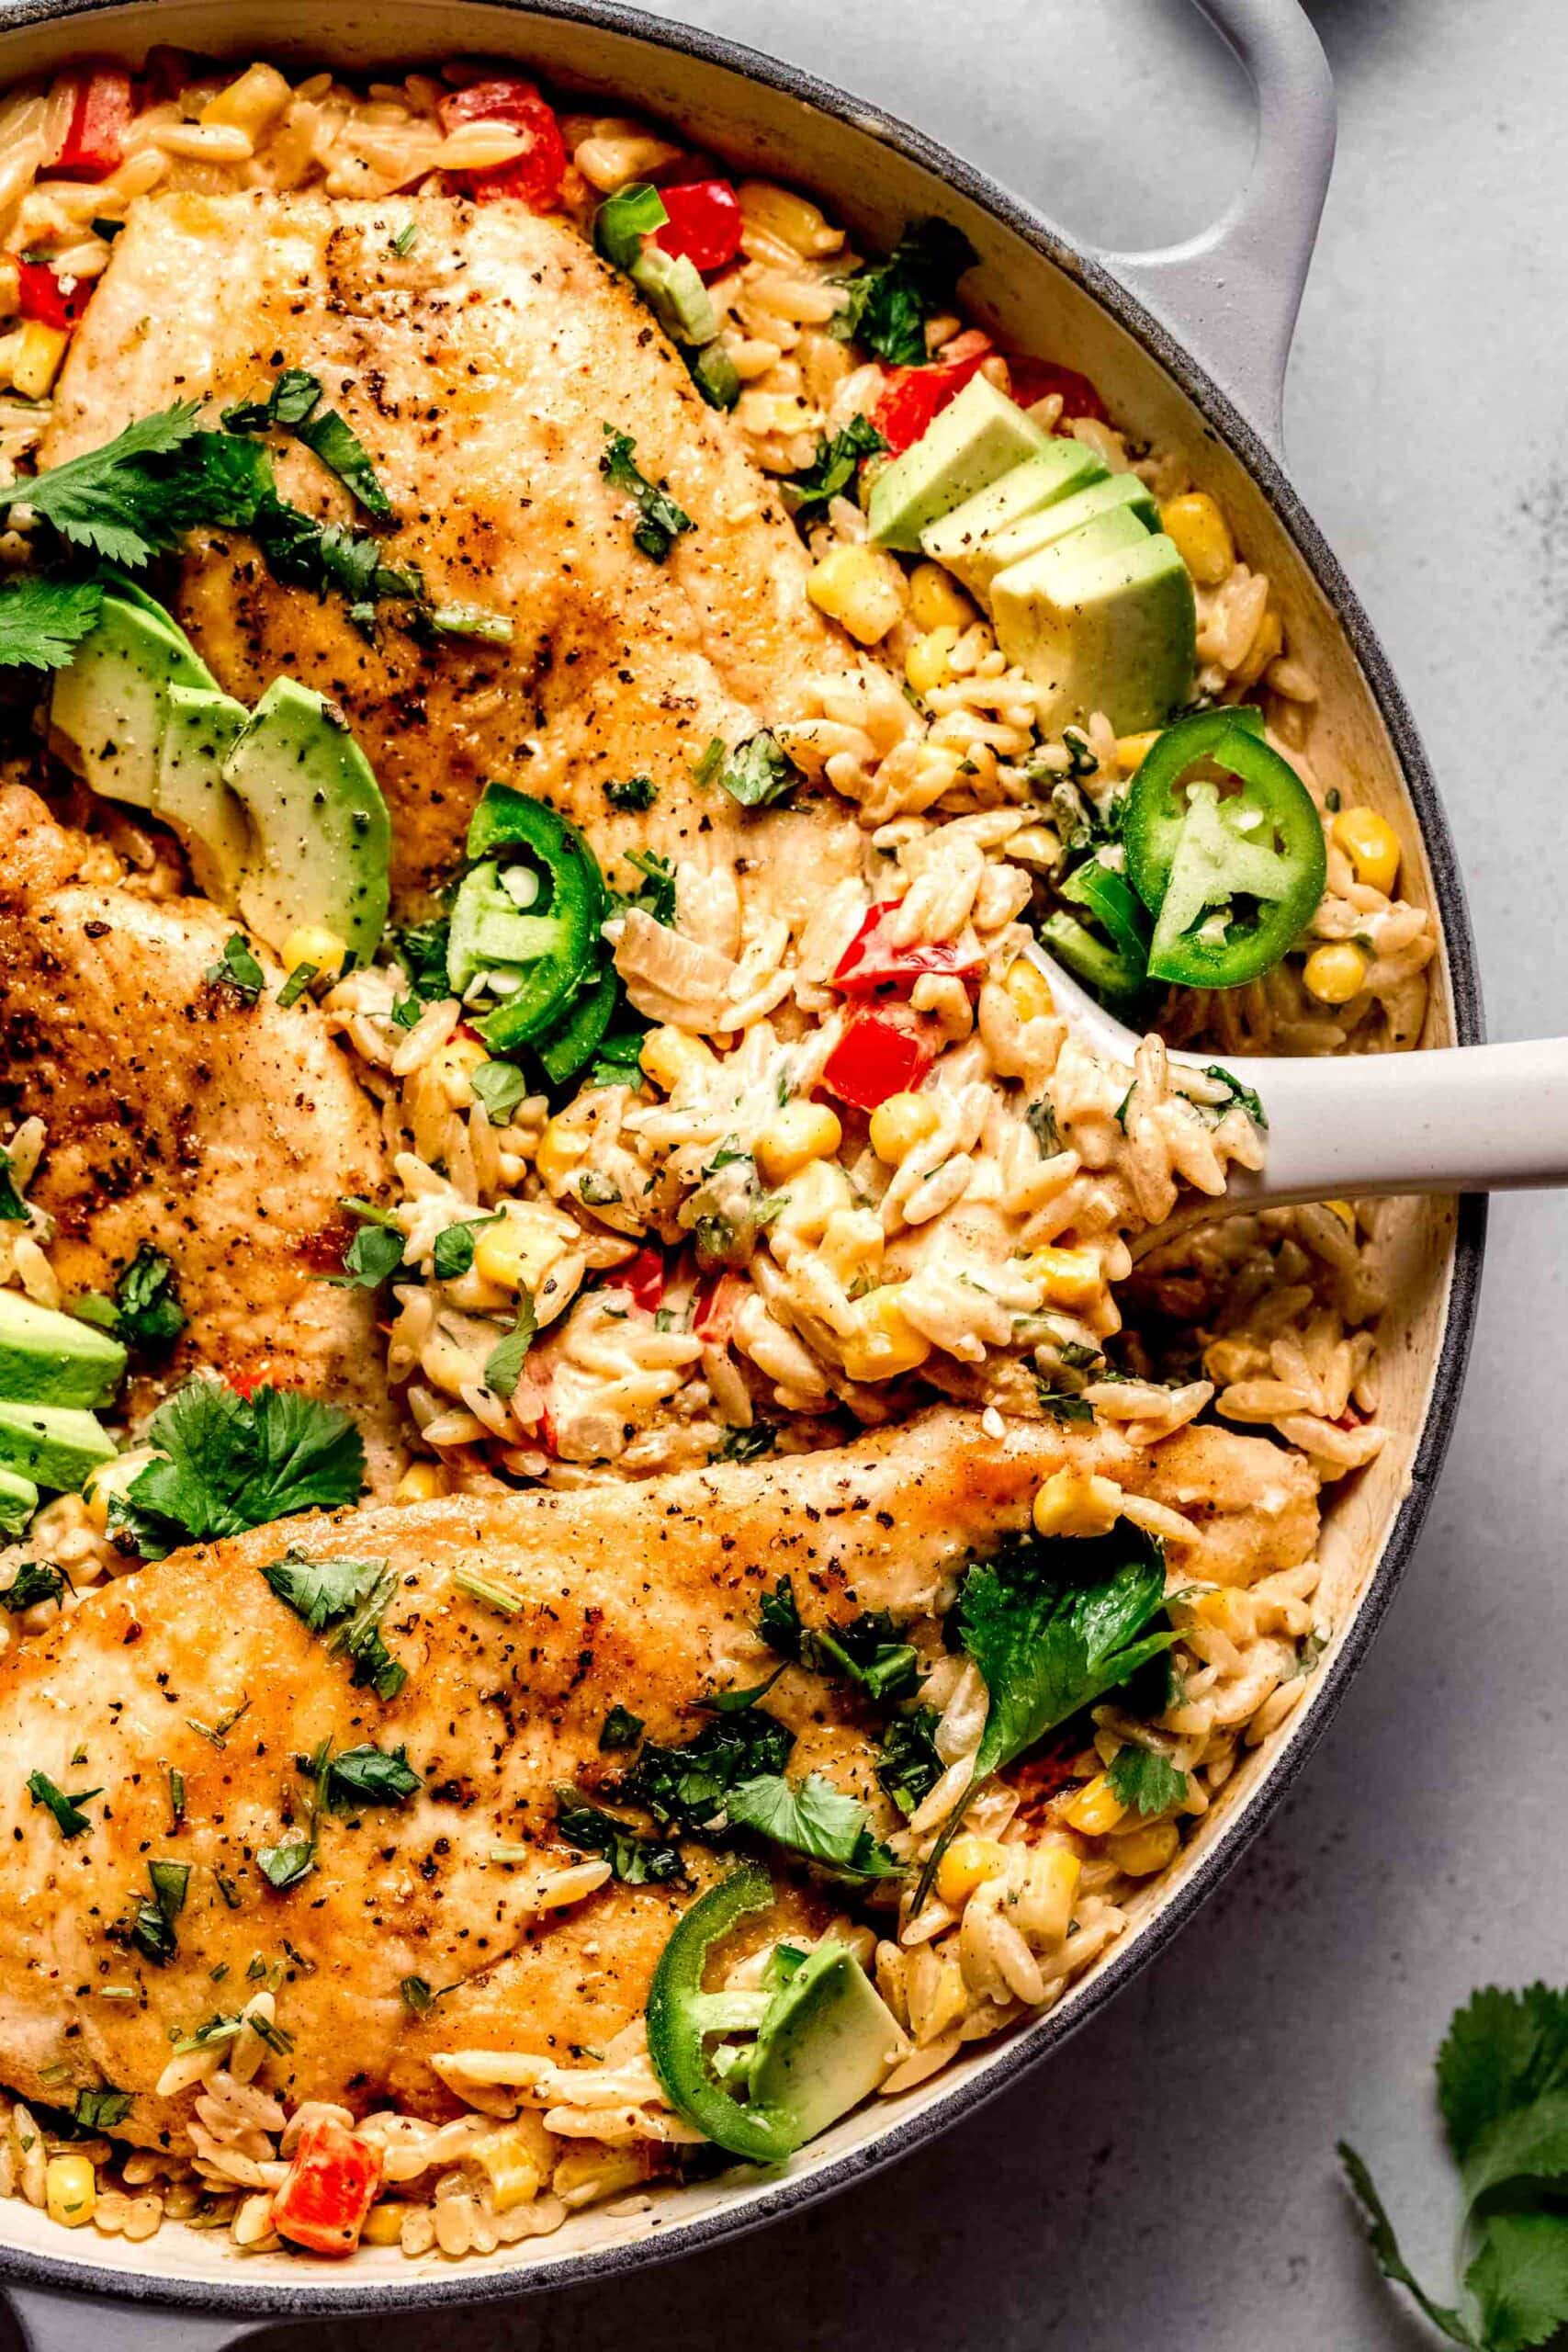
[
  {"x": 1231, "y": 293},
  {"x": 50, "y": 2322}
]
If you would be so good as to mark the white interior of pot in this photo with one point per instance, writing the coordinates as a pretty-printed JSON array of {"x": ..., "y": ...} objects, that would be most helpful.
[{"x": 873, "y": 190}]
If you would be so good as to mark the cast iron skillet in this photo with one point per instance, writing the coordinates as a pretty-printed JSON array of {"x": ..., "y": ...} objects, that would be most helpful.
[{"x": 1214, "y": 316}]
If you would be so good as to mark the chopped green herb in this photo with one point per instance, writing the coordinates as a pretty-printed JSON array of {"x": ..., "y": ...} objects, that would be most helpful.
[
  {"x": 233, "y": 1462},
  {"x": 177, "y": 1798},
  {"x": 295, "y": 986},
  {"x": 908, "y": 1765},
  {"x": 708, "y": 766},
  {"x": 657, "y": 898},
  {"x": 1250, "y": 1101},
  {"x": 100, "y": 2110},
  {"x": 504, "y": 1365},
  {"x": 1142, "y": 1780},
  {"x": 685, "y": 1787},
  {"x": 866, "y": 1653},
  {"x": 621, "y": 1729},
  {"x": 147, "y": 1301},
  {"x": 376, "y": 1252},
  {"x": 350, "y": 1598},
  {"x": 285, "y": 1865},
  {"x": 35, "y": 1580},
  {"x": 69, "y": 1818},
  {"x": 813, "y": 1818},
  {"x": 759, "y": 770},
  {"x": 13, "y": 1208},
  {"x": 659, "y": 521},
  {"x": 831, "y": 473},
  {"x": 170, "y": 1886},
  {"x": 490, "y": 1591},
  {"x": 635, "y": 1860},
  {"x": 403, "y": 244},
  {"x": 748, "y": 1444},
  {"x": 216, "y": 1735},
  {"x": 421, "y": 949},
  {"x": 1081, "y": 759},
  {"x": 369, "y": 1775},
  {"x": 1059, "y": 1408},
  {"x": 1041, "y": 1120},
  {"x": 293, "y": 405},
  {"x": 890, "y": 301},
  {"x": 499, "y": 1086},
  {"x": 237, "y": 969},
  {"x": 452, "y": 1255},
  {"x": 637, "y": 792}
]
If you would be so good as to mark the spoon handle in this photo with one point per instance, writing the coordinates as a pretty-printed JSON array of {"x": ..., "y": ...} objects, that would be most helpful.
[{"x": 1458, "y": 1119}]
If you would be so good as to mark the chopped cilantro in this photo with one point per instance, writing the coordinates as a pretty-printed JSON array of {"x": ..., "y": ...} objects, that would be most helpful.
[
  {"x": 369, "y": 1775},
  {"x": 285, "y": 1865},
  {"x": 890, "y": 301},
  {"x": 100, "y": 2110},
  {"x": 656, "y": 897},
  {"x": 759, "y": 770},
  {"x": 908, "y": 1765},
  {"x": 746, "y": 1445},
  {"x": 1058, "y": 1407},
  {"x": 417, "y": 1996},
  {"x": 659, "y": 521},
  {"x": 866, "y": 1653},
  {"x": 831, "y": 473},
  {"x": 69, "y": 1817},
  {"x": 685, "y": 1787},
  {"x": 499, "y": 1086},
  {"x": 421, "y": 949},
  {"x": 1041, "y": 1120},
  {"x": 13, "y": 1208},
  {"x": 147, "y": 1301},
  {"x": 294, "y": 405},
  {"x": 376, "y": 1252},
  {"x": 403, "y": 244},
  {"x": 295, "y": 986},
  {"x": 1140, "y": 1779},
  {"x": 350, "y": 1598},
  {"x": 621, "y": 1729},
  {"x": 229, "y": 1463},
  {"x": 504, "y": 1365},
  {"x": 452, "y": 1254},
  {"x": 1250, "y": 1101},
  {"x": 237, "y": 969},
  {"x": 813, "y": 1818},
  {"x": 635, "y": 1860},
  {"x": 637, "y": 792},
  {"x": 35, "y": 1580}
]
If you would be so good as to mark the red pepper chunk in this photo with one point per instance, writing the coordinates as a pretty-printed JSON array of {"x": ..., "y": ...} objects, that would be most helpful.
[
  {"x": 714, "y": 1304},
  {"x": 1036, "y": 379},
  {"x": 535, "y": 176},
  {"x": 42, "y": 294},
  {"x": 872, "y": 961},
  {"x": 331, "y": 2187},
  {"x": 912, "y": 396},
  {"x": 644, "y": 1277},
  {"x": 878, "y": 1054},
  {"x": 704, "y": 223},
  {"x": 100, "y": 117}
]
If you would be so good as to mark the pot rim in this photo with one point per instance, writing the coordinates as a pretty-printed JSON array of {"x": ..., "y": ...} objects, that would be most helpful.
[{"x": 1015, "y": 2059}]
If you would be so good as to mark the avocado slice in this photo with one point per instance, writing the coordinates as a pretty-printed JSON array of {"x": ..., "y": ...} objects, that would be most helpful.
[
  {"x": 1115, "y": 492},
  {"x": 201, "y": 728},
  {"x": 106, "y": 710},
  {"x": 827, "y": 2042},
  {"x": 47, "y": 1357},
  {"x": 978, "y": 437},
  {"x": 320, "y": 839},
  {"x": 1102, "y": 620},
  {"x": 18, "y": 1500},
  {"x": 55, "y": 1445},
  {"x": 1062, "y": 467}
]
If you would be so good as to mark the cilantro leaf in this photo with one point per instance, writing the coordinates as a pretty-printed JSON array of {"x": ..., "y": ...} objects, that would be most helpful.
[
  {"x": 147, "y": 1300},
  {"x": 35, "y": 1580},
  {"x": 43, "y": 621},
  {"x": 746, "y": 1445},
  {"x": 237, "y": 968},
  {"x": 759, "y": 770},
  {"x": 637, "y": 792},
  {"x": 831, "y": 473},
  {"x": 13, "y": 1208},
  {"x": 686, "y": 1786},
  {"x": 234, "y": 1462},
  {"x": 620, "y": 1729},
  {"x": 1520, "y": 2278},
  {"x": 1387, "y": 2255},
  {"x": 499, "y": 1086},
  {"x": 285, "y": 1865},
  {"x": 1251, "y": 1102},
  {"x": 1144, "y": 1780},
  {"x": 370, "y": 1775},
  {"x": 813, "y": 1818},
  {"x": 109, "y": 499},
  {"x": 656, "y": 897},
  {"x": 376, "y": 1252},
  {"x": 453, "y": 1253},
  {"x": 635, "y": 1860},
  {"x": 504, "y": 1365},
  {"x": 866, "y": 1653},
  {"x": 1503, "y": 2050},
  {"x": 890, "y": 301},
  {"x": 69, "y": 1818},
  {"x": 659, "y": 521},
  {"x": 421, "y": 949},
  {"x": 100, "y": 2110},
  {"x": 292, "y": 405},
  {"x": 350, "y": 1596},
  {"x": 908, "y": 1765}
]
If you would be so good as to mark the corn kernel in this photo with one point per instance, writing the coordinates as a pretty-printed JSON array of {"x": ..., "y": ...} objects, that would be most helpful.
[
  {"x": 1131, "y": 751},
  {"x": 112, "y": 1478},
  {"x": 802, "y": 1131},
  {"x": 793, "y": 219},
  {"x": 967, "y": 1864},
  {"x": 422, "y": 1482},
  {"x": 671, "y": 1057},
  {"x": 900, "y": 1124},
  {"x": 1201, "y": 535},
  {"x": 884, "y": 1343},
  {"x": 253, "y": 103},
  {"x": 516, "y": 1254},
  {"x": 555, "y": 1158},
  {"x": 1051, "y": 1892},
  {"x": 311, "y": 942},
  {"x": 1071, "y": 1277},
  {"x": 1094, "y": 1810},
  {"x": 516, "y": 2166},
  {"x": 71, "y": 2190},
  {"x": 925, "y": 664},
  {"x": 1336, "y": 973},
  {"x": 592, "y": 2171},
  {"x": 1345, "y": 1213},
  {"x": 36, "y": 360},
  {"x": 936, "y": 601},
  {"x": 817, "y": 1194},
  {"x": 1030, "y": 990},
  {"x": 1267, "y": 646},
  {"x": 384, "y": 2223},
  {"x": 1228, "y": 1359},
  {"x": 1370, "y": 845},
  {"x": 861, "y": 588},
  {"x": 1226, "y": 1611},
  {"x": 452, "y": 1065},
  {"x": 1143, "y": 1851},
  {"x": 1076, "y": 1502}
]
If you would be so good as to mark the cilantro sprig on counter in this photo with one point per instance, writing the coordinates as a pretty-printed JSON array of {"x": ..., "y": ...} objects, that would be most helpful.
[
  {"x": 1502, "y": 2093},
  {"x": 229, "y": 1463}
]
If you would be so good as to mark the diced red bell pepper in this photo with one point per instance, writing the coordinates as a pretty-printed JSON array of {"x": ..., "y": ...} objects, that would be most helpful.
[
  {"x": 330, "y": 2189},
  {"x": 100, "y": 117},
  {"x": 546, "y": 1426},
  {"x": 535, "y": 176},
  {"x": 1036, "y": 379},
  {"x": 717, "y": 1296},
  {"x": 704, "y": 223},
  {"x": 42, "y": 294},
  {"x": 913, "y": 396},
  {"x": 872, "y": 961},
  {"x": 878, "y": 1054},
  {"x": 644, "y": 1277}
]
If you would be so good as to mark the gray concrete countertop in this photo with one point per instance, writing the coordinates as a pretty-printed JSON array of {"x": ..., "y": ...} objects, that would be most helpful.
[{"x": 1170, "y": 2178}]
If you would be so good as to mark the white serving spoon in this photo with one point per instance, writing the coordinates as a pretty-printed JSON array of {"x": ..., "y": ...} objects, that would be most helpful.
[{"x": 1457, "y": 1119}]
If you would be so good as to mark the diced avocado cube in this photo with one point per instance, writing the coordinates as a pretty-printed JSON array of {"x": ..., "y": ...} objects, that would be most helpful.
[
  {"x": 828, "y": 2041},
  {"x": 979, "y": 437},
  {"x": 55, "y": 1445},
  {"x": 1062, "y": 467},
  {"x": 18, "y": 1500},
  {"x": 321, "y": 841},
  {"x": 47, "y": 1357},
  {"x": 201, "y": 728},
  {"x": 1117, "y": 492},
  {"x": 1102, "y": 620},
  {"x": 106, "y": 710}
]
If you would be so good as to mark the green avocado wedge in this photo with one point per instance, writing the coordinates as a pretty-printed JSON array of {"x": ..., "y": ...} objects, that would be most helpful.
[
  {"x": 321, "y": 841},
  {"x": 57, "y": 1446},
  {"x": 47, "y": 1357}
]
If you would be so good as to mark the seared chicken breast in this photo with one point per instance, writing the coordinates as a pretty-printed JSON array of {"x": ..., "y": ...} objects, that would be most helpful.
[
  {"x": 644, "y": 1598},
  {"x": 483, "y": 369},
  {"x": 222, "y": 1133}
]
